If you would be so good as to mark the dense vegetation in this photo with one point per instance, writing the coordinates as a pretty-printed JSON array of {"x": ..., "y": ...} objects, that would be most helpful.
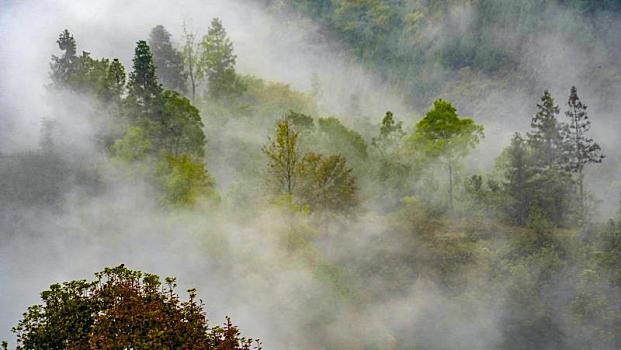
[
  {"x": 520, "y": 238},
  {"x": 419, "y": 44}
]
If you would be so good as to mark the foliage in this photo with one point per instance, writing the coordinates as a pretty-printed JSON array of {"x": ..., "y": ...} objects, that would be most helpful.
[
  {"x": 63, "y": 67},
  {"x": 283, "y": 158},
  {"x": 546, "y": 138},
  {"x": 218, "y": 61},
  {"x": 517, "y": 179},
  {"x": 122, "y": 308},
  {"x": 334, "y": 137},
  {"x": 144, "y": 90},
  {"x": 581, "y": 150},
  {"x": 192, "y": 53},
  {"x": 183, "y": 181},
  {"x": 414, "y": 42},
  {"x": 181, "y": 127},
  {"x": 265, "y": 99},
  {"x": 390, "y": 135},
  {"x": 326, "y": 183},
  {"x": 323, "y": 183},
  {"x": 443, "y": 134},
  {"x": 133, "y": 146},
  {"x": 168, "y": 61}
]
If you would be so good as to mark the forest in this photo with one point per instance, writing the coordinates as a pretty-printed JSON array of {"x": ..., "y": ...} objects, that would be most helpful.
[{"x": 353, "y": 174}]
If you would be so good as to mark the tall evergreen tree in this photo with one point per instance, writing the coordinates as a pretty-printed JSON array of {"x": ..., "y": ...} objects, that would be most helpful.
[
  {"x": 63, "y": 67},
  {"x": 517, "y": 175},
  {"x": 552, "y": 187},
  {"x": 116, "y": 80},
  {"x": 219, "y": 62},
  {"x": 581, "y": 149},
  {"x": 144, "y": 88},
  {"x": 546, "y": 138},
  {"x": 168, "y": 60},
  {"x": 390, "y": 134}
]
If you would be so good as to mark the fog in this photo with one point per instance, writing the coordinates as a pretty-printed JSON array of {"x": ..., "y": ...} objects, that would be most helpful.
[{"x": 234, "y": 256}]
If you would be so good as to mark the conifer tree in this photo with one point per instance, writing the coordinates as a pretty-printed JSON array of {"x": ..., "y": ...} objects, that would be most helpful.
[
  {"x": 581, "y": 149},
  {"x": 116, "y": 81},
  {"x": 552, "y": 189},
  {"x": 168, "y": 60},
  {"x": 219, "y": 62},
  {"x": 390, "y": 134},
  {"x": 144, "y": 88},
  {"x": 517, "y": 174},
  {"x": 546, "y": 138},
  {"x": 63, "y": 67}
]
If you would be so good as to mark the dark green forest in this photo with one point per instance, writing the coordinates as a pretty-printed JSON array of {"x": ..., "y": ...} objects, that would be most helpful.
[{"x": 443, "y": 226}]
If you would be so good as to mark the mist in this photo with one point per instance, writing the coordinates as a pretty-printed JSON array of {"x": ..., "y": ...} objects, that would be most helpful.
[{"x": 402, "y": 271}]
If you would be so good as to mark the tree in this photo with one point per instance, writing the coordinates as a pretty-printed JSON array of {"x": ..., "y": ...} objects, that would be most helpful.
[
  {"x": 552, "y": 187},
  {"x": 183, "y": 180},
  {"x": 192, "y": 53},
  {"x": 115, "y": 81},
  {"x": 284, "y": 157},
  {"x": 443, "y": 134},
  {"x": 391, "y": 133},
  {"x": 546, "y": 138},
  {"x": 122, "y": 309},
  {"x": 581, "y": 149},
  {"x": 168, "y": 60},
  {"x": 390, "y": 167},
  {"x": 144, "y": 88},
  {"x": 334, "y": 137},
  {"x": 517, "y": 175},
  {"x": 219, "y": 62},
  {"x": 63, "y": 67},
  {"x": 326, "y": 183},
  {"x": 182, "y": 127}
]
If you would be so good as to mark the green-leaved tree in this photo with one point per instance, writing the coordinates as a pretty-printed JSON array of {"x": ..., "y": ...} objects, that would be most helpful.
[{"x": 444, "y": 135}]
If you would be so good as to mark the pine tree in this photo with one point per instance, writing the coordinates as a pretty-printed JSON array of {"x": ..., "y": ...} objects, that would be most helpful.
[
  {"x": 115, "y": 82},
  {"x": 219, "y": 62},
  {"x": 168, "y": 61},
  {"x": 581, "y": 149},
  {"x": 63, "y": 67},
  {"x": 546, "y": 138},
  {"x": 517, "y": 174},
  {"x": 144, "y": 88},
  {"x": 390, "y": 134},
  {"x": 552, "y": 185}
]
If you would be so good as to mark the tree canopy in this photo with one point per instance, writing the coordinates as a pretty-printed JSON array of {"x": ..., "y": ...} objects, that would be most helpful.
[{"x": 122, "y": 309}]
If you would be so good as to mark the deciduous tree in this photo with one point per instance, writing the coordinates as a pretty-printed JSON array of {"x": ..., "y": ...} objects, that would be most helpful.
[
  {"x": 284, "y": 157},
  {"x": 443, "y": 134},
  {"x": 122, "y": 309}
]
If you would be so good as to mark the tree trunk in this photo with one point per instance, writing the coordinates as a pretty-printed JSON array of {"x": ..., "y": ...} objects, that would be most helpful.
[
  {"x": 450, "y": 191},
  {"x": 581, "y": 193},
  {"x": 193, "y": 87}
]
